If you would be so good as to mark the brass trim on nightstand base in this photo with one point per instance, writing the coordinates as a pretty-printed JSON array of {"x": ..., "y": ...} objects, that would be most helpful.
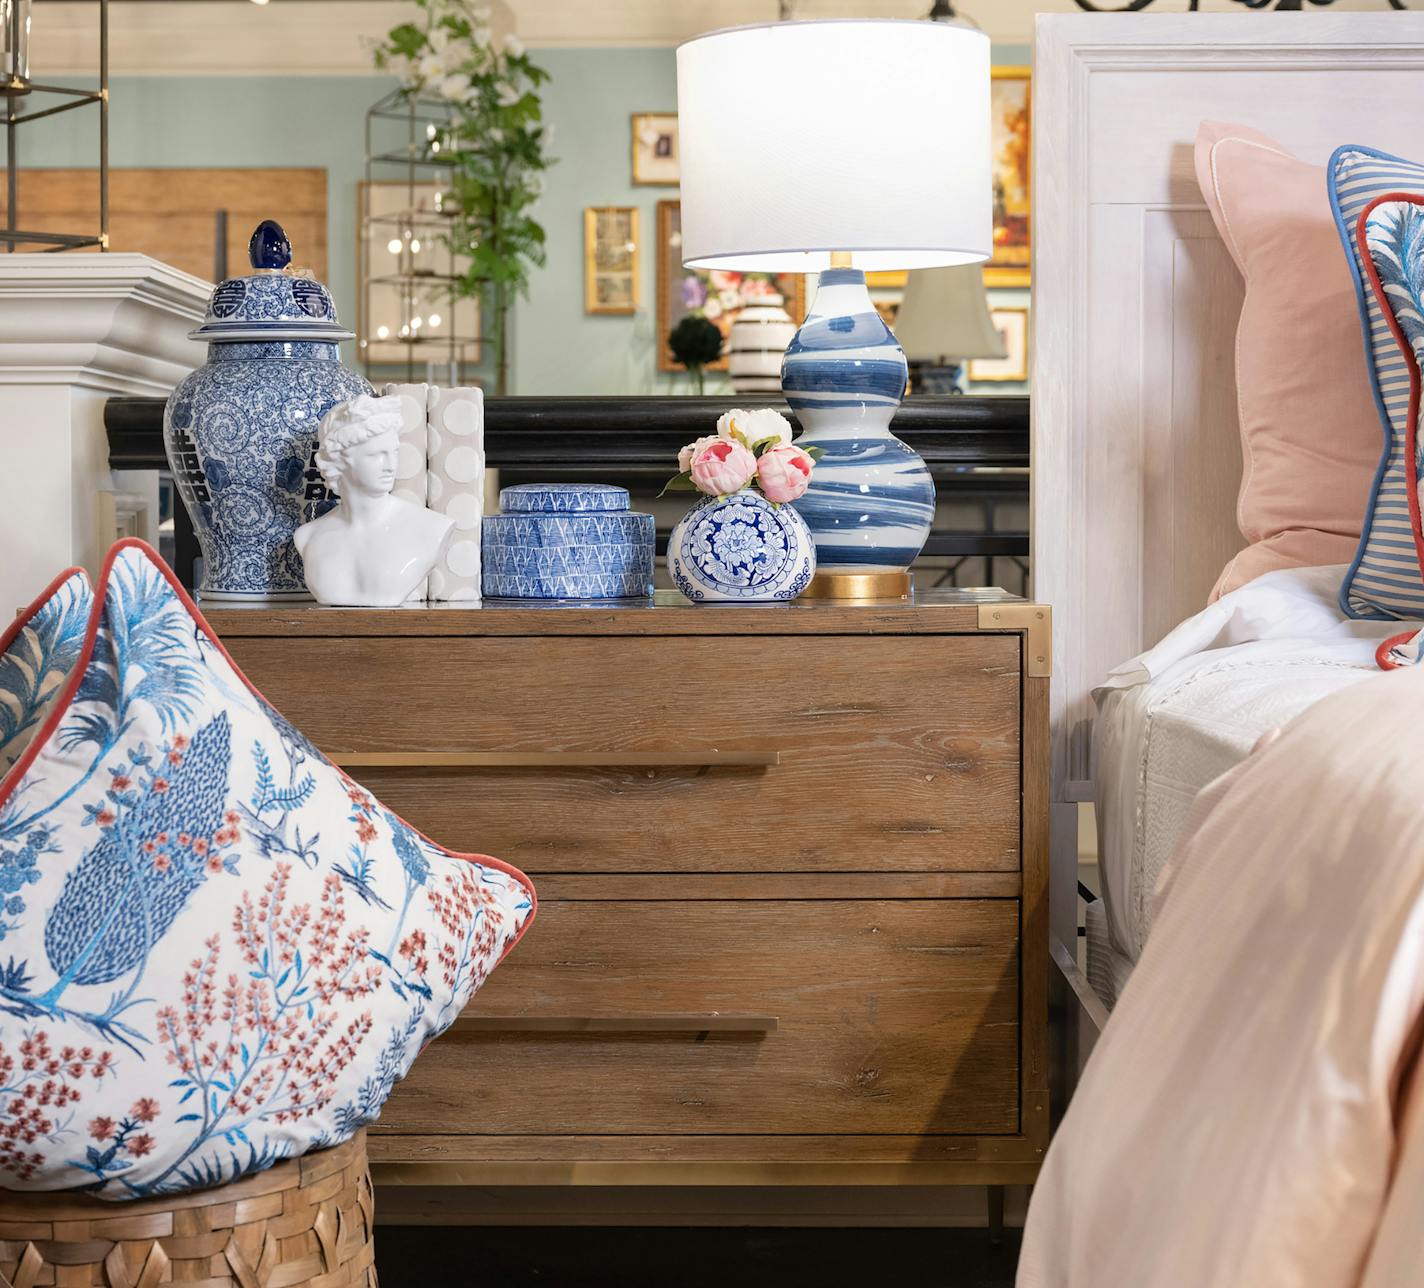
[
  {"x": 858, "y": 585},
  {"x": 1036, "y": 621}
]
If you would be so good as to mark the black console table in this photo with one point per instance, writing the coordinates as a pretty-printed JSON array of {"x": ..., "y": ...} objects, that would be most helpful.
[{"x": 976, "y": 448}]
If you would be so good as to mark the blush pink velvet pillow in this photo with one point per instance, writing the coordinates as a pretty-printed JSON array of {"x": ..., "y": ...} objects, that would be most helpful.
[{"x": 1309, "y": 432}]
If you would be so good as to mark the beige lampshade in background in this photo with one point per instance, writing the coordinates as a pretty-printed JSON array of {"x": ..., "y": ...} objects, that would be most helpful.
[{"x": 945, "y": 316}]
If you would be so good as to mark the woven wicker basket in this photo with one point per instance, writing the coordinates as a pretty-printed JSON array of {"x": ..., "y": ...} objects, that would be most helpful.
[{"x": 306, "y": 1223}]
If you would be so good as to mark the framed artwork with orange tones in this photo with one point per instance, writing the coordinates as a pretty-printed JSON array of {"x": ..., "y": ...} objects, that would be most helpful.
[{"x": 1009, "y": 118}]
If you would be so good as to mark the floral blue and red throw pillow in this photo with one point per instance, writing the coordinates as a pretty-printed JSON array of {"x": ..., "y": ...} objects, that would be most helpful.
[{"x": 217, "y": 951}]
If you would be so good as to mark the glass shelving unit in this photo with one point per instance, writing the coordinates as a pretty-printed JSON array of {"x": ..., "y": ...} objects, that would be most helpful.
[{"x": 412, "y": 324}]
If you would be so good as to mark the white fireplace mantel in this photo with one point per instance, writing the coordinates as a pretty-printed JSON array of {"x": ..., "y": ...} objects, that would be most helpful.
[{"x": 76, "y": 330}]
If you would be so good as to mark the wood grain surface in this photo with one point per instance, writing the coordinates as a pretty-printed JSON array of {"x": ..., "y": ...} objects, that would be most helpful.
[
  {"x": 902, "y": 759},
  {"x": 171, "y": 213},
  {"x": 862, "y": 906},
  {"x": 892, "y": 1017},
  {"x": 665, "y": 613}
]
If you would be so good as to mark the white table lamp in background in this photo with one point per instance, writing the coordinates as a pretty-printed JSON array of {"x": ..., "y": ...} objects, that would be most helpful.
[
  {"x": 944, "y": 319},
  {"x": 840, "y": 147}
]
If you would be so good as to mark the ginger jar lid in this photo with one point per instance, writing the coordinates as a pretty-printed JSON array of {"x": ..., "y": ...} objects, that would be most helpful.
[
  {"x": 272, "y": 302},
  {"x": 563, "y": 498}
]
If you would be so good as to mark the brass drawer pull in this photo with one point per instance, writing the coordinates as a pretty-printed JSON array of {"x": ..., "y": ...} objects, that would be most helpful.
[
  {"x": 712, "y": 1023},
  {"x": 554, "y": 759}
]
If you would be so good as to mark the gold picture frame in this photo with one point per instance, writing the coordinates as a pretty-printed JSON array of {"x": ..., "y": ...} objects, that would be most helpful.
[
  {"x": 656, "y": 156},
  {"x": 1011, "y": 322},
  {"x": 679, "y": 289},
  {"x": 1010, "y": 116},
  {"x": 611, "y": 259}
]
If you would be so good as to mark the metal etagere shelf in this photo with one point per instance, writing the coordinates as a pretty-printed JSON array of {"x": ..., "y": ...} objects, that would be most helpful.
[
  {"x": 412, "y": 323},
  {"x": 16, "y": 88}
]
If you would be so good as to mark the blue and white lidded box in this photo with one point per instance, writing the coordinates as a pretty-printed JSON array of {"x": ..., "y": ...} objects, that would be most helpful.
[{"x": 566, "y": 541}]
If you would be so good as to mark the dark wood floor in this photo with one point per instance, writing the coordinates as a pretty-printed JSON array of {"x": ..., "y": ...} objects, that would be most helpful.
[{"x": 573, "y": 1257}]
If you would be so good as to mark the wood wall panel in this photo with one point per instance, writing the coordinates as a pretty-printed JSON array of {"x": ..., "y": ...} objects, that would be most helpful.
[{"x": 170, "y": 213}]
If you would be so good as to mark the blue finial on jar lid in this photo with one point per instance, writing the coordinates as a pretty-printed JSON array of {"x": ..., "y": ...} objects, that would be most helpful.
[
  {"x": 271, "y": 302},
  {"x": 269, "y": 247}
]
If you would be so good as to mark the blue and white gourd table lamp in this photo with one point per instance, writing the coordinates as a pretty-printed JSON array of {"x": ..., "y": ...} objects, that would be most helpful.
[{"x": 861, "y": 145}]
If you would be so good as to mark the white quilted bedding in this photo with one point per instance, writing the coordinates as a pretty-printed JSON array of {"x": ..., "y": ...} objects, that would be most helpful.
[{"x": 1178, "y": 716}]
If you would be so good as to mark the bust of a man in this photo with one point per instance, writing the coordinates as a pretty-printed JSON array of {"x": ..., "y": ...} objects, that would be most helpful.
[{"x": 373, "y": 549}]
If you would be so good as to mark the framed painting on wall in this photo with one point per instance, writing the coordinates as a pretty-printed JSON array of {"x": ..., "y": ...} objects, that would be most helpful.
[
  {"x": 655, "y": 150},
  {"x": 610, "y": 259},
  {"x": 1009, "y": 119},
  {"x": 1012, "y": 326},
  {"x": 718, "y": 295}
]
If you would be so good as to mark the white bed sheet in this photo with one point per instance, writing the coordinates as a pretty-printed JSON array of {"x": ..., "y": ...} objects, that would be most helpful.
[{"x": 1175, "y": 718}]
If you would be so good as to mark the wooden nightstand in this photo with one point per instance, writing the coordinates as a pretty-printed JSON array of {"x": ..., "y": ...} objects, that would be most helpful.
[{"x": 792, "y": 871}]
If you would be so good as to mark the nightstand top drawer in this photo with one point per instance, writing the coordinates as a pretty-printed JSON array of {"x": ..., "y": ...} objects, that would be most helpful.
[{"x": 647, "y": 754}]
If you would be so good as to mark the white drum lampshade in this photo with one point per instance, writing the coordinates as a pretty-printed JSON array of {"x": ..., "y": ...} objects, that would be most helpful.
[
  {"x": 794, "y": 159},
  {"x": 790, "y": 150}
]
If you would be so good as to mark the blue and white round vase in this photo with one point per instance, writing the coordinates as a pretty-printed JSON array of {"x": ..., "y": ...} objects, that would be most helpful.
[
  {"x": 871, "y": 501},
  {"x": 241, "y": 430},
  {"x": 741, "y": 549}
]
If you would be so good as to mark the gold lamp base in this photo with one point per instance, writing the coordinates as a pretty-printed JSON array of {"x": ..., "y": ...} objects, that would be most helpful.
[{"x": 859, "y": 585}]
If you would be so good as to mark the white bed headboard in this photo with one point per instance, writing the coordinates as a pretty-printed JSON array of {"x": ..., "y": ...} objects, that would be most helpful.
[{"x": 1136, "y": 456}]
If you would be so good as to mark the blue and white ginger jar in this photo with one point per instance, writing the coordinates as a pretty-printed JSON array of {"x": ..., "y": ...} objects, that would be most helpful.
[
  {"x": 241, "y": 430},
  {"x": 566, "y": 541},
  {"x": 743, "y": 549}
]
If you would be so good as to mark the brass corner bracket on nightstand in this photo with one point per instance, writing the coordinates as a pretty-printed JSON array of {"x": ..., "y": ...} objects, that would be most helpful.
[{"x": 1036, "y": 622}]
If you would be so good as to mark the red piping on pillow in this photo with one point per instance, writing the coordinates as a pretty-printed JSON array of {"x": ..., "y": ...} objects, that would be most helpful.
[
  {"x": 1411, "y": 429},
  {"x": 26, "y": 615},
  {"x": 71, "y": 687},
  {"x": 1382, "y": 658}
]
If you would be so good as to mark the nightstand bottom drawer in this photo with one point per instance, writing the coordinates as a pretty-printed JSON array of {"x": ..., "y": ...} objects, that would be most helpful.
[{"x": 736, "y": 1016}]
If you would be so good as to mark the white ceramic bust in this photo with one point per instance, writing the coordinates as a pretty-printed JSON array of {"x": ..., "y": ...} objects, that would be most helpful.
[{"x": 373, "y": 549}]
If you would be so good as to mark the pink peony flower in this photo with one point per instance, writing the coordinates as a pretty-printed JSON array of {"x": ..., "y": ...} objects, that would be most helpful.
[
  {"x": 722, "y": 468},
  {"x": 784, "y": 473},
  {"x": 686, "y": 455}
]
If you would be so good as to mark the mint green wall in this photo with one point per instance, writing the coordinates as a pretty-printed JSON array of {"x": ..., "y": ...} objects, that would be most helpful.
[
  {"x": 254, "y": 121},
  {"x": 558, "y": 347}
]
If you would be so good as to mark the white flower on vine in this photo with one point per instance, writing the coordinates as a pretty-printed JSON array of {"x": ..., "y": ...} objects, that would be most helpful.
[
  {"x": 438, "y": 38},
  {"x": 513, "y": 46},
  {"x": 402, "y": 68},
  {"x": 495, "y": 135},
  {"x": 481, "y": 35},
  {"x": 455, "y": 87},
  {"x": 507, "y": 94},
  {"x": 431, "y": 67}
]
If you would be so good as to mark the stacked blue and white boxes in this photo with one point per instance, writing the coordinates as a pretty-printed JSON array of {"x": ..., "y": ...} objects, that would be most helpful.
[{"x": 566, "y": 541}]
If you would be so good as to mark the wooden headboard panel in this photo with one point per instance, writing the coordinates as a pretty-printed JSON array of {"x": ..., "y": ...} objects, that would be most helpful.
[{"x": 1136, "y": 457}]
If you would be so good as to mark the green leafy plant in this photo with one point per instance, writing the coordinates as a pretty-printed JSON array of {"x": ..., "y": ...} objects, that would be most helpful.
[
  {"x": 495, "y": 139},
  {"x": 695, "y": 343}
]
